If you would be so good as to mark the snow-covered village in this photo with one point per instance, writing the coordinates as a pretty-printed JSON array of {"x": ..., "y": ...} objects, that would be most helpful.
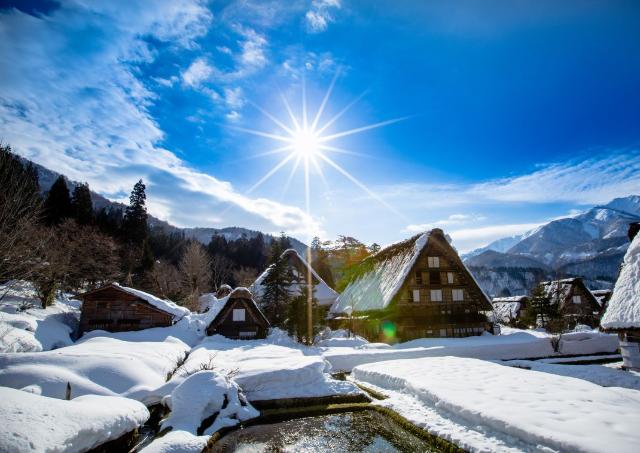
[{"x": 319, "y": 226}]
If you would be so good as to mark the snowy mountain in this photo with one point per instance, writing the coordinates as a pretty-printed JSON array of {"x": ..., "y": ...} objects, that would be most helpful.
[
  {"x": 590, "y": 245},
  {"x": 47, "y": 177}
]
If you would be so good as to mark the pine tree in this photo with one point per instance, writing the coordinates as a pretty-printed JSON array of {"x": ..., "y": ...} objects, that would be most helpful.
[
  {"x": 134, "y": 225},
  {"x": 276, "y": 297},
  {"x": 57, "y": 205},
  {"x": 82, "y": 205}
]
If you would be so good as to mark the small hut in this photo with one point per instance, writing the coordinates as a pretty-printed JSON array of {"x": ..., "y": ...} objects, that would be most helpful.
[
  {"x": 623, "y": 311},
  {"x": 237, "y": 316},
  {"x": 508, "y": 310},
  {"x": 413, "y": 289},
  {"x": 573, "y": 300},
  {"x": 117, "y": 308}
]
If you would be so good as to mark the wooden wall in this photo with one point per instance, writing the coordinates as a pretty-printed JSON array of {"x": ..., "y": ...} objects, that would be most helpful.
[
  {"x": 252, "y": 327},
  {"x": 116, "y": 311}
]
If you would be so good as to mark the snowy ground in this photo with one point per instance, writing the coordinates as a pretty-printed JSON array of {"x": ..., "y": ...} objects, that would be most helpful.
[
  {"x": 486, "y": 406},
  {"x": 26, "y": 328},
  {"x": 37, "y": 423},
  {"x": 512, "y": 344}
]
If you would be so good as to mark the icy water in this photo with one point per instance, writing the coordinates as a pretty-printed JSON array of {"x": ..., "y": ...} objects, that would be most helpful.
[{"x": 365, "y": 431}]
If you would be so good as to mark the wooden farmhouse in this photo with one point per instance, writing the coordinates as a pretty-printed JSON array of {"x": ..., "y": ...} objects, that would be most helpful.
[
  {"x": 237, "y": 316},
  {"x": 573, "y": 300},
  {"x": 298, "y": 270},
  {"x": 622, "y": 314},
  {"x": 508, "y": 310},
  {"x": 413, "y": 289},
  {"x": 117, "y": 308}
]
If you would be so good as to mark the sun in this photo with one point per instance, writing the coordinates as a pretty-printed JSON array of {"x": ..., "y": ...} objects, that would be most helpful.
[{"x": 305, "y": 143}]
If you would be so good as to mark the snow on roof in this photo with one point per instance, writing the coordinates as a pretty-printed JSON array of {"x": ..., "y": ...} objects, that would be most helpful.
[
  {"x": 601, "y": 295},
  {"x": 506, "y": 311},
  {"x": 218, "y": 305},
  {"x": 324, "y": 294},
  {"x": 623, "y": 310},
  {"x": 165, "y": 305},
  {"x": 557, "y": 289},
  {"x": 508, "y": 299},
  {"x": 387, "y": 271}
]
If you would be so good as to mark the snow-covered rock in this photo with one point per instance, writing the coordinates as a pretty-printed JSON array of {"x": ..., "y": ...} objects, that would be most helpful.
[{"x": 37, "y": 423}]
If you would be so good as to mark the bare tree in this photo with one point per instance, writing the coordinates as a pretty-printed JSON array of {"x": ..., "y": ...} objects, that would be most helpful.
[
  {"x": 196, "y": 274},
  {"x": 165, "y": 280},
  {"x": 220, "y": 270},
  {"x": 245, "y": 276}
]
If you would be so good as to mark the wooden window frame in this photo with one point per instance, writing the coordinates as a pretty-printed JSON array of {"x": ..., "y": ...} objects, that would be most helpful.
[{"x": 236, "y": 314}]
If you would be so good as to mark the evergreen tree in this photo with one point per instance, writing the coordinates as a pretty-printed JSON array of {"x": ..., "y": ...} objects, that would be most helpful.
[
  {"x": 57, "y": 205},
  {"x": 82, "y": 205},
  {"x": 134, "y": 225},
  {"x": 321, "y": 261},
  {"x": 276, "y": 297}
]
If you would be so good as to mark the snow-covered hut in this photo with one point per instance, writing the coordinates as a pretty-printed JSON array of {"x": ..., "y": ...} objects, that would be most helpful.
[
  {"x": 412, "y": 289},
  {"x": 117, "y": 308},
  {"x": 298, "y": 271},
  {"x": 237, "y": 316},
  {"x": 623, "y": 310},
  {"x": 575, "y": 303},
  {"x": 509, "y": 309}
]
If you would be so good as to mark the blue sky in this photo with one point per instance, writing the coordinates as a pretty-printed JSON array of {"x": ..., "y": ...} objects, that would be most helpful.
[{"x": 515, "y": 113}]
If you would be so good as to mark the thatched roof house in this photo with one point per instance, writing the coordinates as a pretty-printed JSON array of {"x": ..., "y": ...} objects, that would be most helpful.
[
  {"x": 508, "y": 309},
  {"x": 237, "y": 316},
  {"x": 415, "y": 288},
  {"x": 623, "y": 311},
  {"x": 298, "y": 269},
  {"x": 574, "y": 301},
  {"x": 117, "y": 308}
]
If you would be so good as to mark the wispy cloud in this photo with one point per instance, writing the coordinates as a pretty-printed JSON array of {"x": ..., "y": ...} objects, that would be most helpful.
[
  {"x": 321, "y": 14},
  {"x": 95, "y": 125},
  {"x": 452, "y": 220}
]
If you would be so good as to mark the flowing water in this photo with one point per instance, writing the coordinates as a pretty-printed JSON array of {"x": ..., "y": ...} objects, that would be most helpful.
[{"x": 365, "y": 431}]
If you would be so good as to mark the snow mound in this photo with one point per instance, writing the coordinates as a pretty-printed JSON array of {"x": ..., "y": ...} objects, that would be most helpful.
[
  {"x": 623, "y": 310},
  {"x": 26, "y": 328},
  {"x": 202, "y": 395},
  {"x": 100, "y": 366},
  {"x": 527, "y": 410},
  {"x": 165, "y": 305},
  {"x": 37, "y": 423}
]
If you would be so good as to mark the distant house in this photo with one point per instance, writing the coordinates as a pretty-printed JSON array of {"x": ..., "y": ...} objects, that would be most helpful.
[
  {"x": 413, "y": 289},
  {"x": 573, "y": 300},
  {"x": 622, "y": 314},
  {"x": 117, "y": 308},
  {"x": 237, "y": 316},
  {"x": 298, "y": 272},
  {"x": 223, "y": 291},
  {"x": 508, "y": 310}
]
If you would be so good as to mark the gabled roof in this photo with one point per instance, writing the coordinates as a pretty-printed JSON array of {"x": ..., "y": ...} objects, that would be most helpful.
[
  {"x": 602, "y": 295},
  {"x": 506, "y": 311},
  {"x": 323, "y": 293},
  {"x": 623, "y": 310},
  {"x": 558, "y": 291},
  {"x": 217, "y": 307},
  {"x": 382, "y": 275},
  {"x": 164, "y": 305}
]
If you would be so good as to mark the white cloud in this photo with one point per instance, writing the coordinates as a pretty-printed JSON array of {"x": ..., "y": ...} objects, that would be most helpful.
[
  {"x": 470, "y": 238},
  {"x": 198, "y": 72},
  {"x": 83, "y": 112},
  {"x": 321, "y": 15},
  {"x": 234, "y": 97},
  {"x": 233, "y": 116},
  {"x": 453, "y": 219}
]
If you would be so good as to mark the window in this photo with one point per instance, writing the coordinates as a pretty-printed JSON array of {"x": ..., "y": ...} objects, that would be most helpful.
[
  {"x": 418, "y": 278},
  {"x": 238, "y": 314},
  {"x": 450, "y": 278},
  {"x": 436, "y": 295},
  {"x": 577, "y": 299},
  {"x": 457, "y": 295},
  {"x": 247, "y": 334},
  {"x": 443, "y": 332},
  {"x": 416, "y": 295},
  {"x": 434, "y": 261},
  {"x": 434, "y": 277}
]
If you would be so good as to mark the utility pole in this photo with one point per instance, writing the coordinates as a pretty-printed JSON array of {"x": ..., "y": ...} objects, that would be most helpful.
[{"x": 309, "y": 299}]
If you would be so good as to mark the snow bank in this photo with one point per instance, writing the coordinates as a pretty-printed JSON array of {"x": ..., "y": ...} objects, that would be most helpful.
[
  {"x": 202, "y": 395},
  {"x": 266, "y": 371},
  {"x": 37, "y": 423},
  {"x": 100, "y": 366},
  {"x": 338, "y": 338},
  {"x": 514, "y": 344},
  {"x": 523, "y": 410},
  {"x": 177, "y": 442},
  {"x": 623, "y": 310},
  {"x": 165, "y": 305},
  {"x": 26, "y": 328}
]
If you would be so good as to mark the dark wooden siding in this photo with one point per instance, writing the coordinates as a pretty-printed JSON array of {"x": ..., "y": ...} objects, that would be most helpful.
[
  {"x": 254, "y": 326},
  {"x": 116, "y": 311}
]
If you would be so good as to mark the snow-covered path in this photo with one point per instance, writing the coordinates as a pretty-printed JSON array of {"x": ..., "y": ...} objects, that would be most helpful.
[{"x": 486, "y": 406}]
